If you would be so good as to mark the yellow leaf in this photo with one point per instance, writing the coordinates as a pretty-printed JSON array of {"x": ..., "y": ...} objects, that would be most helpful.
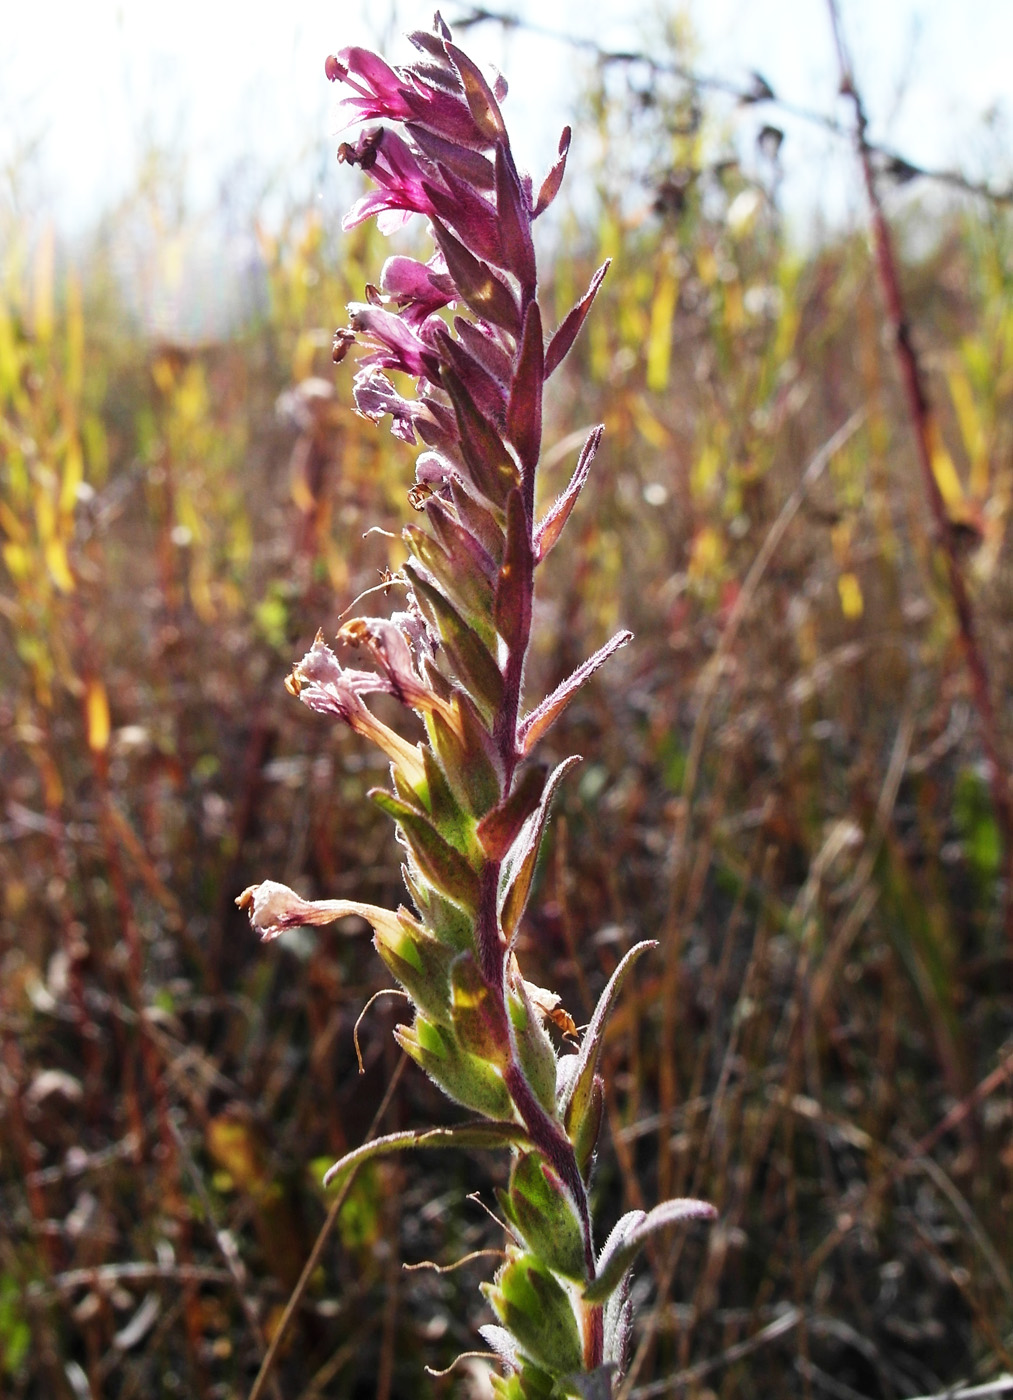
[
  {"x": 42, "y": 290},
  {"x": 659, "y": 341},
  {"x": 58, "y": 565},
  {"x": 75, "y": 338},
  {"x": 706, "y": 554},
  {"x": 96, "y": 711},
  {"x": 850, "y": 590},
  {"x": 972, "y": 431},
  {"x": 73, "y": 475},
  {"x": 945, "y": 472}
]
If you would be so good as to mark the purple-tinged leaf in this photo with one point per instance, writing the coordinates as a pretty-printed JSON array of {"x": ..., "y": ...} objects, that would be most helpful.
[
  {"x": 470, "y": 164},
  {"x": 482, "y": 1134},
  {"x": 466, "y": 585},
  {"x": 549, "y": 529},
  {"x": 436, "y": 858},
  {"x": 486, "y": 349},
  {"x": 617, "y": 1327},
  {"x": 559, "y": 345},
  {"x": 628, "y": 1237},
  {"x": 499, "y": 829},
  {"x": 490, "y": 465},
  {"x": 518, "y": 254},
  {"x": 478, "y": 1015},
  {"x": 524, "y": 412},
  {"x": 482, "y": 101},
  {"x": 420, "y": 963},
  {"x": 592, "y": 1385},
  {"x": 487, "y": 393},
  {"x": 577, "y": 1083},
  {"x": 518, "y": 868},
  {"x": 464, "y": 548},
  {"x": 474, "y": 218},
  {"x": 544, "y": 715},
  {"x": 512, "y": 613},
  {"x": 467, "y": 755},
  {"x": 479, "y": 517},
  {"x": 470, "y": 659},
  {"x": 552, "y": 181},
  {"x": 480, "y": 287}
]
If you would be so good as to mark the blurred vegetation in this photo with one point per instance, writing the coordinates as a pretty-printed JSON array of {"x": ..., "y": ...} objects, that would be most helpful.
[{"x": 782, "y": 781}]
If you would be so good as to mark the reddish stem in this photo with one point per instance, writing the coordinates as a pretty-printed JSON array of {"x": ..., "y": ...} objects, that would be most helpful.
[{"x": 920, "y": 416}]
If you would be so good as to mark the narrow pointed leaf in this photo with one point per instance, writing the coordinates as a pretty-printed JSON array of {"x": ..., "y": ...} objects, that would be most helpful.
[
  {"x": 481, "y": 288},
  {"x": 524, "y": 412},
  {"x": 470, "y": 1136},
  {"x": 579, "y": 1084},
  {"x": 467, "y": 586},
  {"x": 552, "y": 181},
  {"x": 487, "y": 393},
  {"x": 481, "y": 100},
  {"x": 467, "y": 756},
  {"x": 551, "y": 526},
  {"x": 546, "y": 714},
  {"x": 512, "y": 614},
  {"x": 439, "y": 862},
  {"x": 623, "y": 1247},
  {"x": 518, "y": 869},
  {"x": 514, "y": 222},
  {"x": 492, "y": 468},
  {"x": 561, "y": 342},
  {"x": 498, "y": 830},
  {"x": 469, "y": 657}
]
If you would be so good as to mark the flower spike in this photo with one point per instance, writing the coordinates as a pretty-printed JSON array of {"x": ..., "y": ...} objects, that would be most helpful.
[{"x": 470, "y": 805}]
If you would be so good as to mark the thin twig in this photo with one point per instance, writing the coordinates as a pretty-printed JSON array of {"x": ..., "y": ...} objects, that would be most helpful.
[
  {"x": 920, "y": 415},
  {"x": 891, "y": 162},
  {"x": 310, "y": 1267}
]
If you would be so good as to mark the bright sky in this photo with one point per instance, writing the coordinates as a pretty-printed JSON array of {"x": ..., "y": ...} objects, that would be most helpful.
[{"x": 239, "y": 86}]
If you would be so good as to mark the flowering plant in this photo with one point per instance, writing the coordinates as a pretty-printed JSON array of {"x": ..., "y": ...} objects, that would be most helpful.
[{"x": 469, "y": 802}]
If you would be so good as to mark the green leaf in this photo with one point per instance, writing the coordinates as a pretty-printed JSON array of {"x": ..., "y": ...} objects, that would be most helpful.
[
  {"x": 628, "y": 1237},
  {"x": 455, "y": 575},
  {"x": 519, "y": 863},
  {"x": 536, "y": 1309},
  {"x": 545, "y": 1214},
  {"x": 439, "y": 862},
  {"x": 482, "y": 1135},
  {"x": 466, "y": 1078},
  {"x": 576, "y": 1095},
  {"x": 470, "y": 659},
  {"x": 420, "y": 963}
]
